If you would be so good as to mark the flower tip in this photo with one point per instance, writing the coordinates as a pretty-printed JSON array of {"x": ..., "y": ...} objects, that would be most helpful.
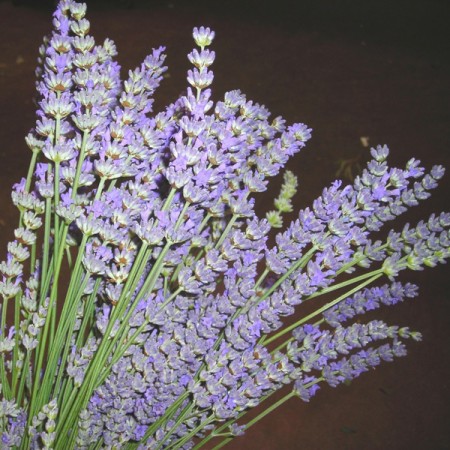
[
  {"x": 110, "y": 47},
  {"x": 203, "y": 36},
  {"x": 380, "y": 153},
  {"x": 78, "y": 10}
]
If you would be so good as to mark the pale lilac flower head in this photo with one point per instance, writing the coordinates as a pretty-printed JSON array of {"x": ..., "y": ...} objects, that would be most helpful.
[{"x": 203, "y": 36}]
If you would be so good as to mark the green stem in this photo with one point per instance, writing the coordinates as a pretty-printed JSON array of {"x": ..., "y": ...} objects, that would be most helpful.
[
  {"x": 357, "y": 260},
  {"x": 170, "y": 411},
  {"x": 80, "y": 161},
  {"x": 83, "y": 334},
  {"x": 183, "y": 414},
  {"x": 71, "y": 411},
  {"x": 342, "y": 284},
  {"x": 33, "y": 258},
  {"x": 46, "y": 251},
  {"x": 56, "y": 237},
  {"x": 297, "y": 265},
  {"x": 68, "y": 341},
  {"x": 261, "y": 278},
  {"x": 42, "y": 346},
  {"x": 25, "y": 368},
  {"x": 185, "y": 439},
  {"x": 373, "y": 276},
  {"x": 15, "y": 370},
  {"x": 69, "y": 310},
  {"x": 5, "y": 382},
  {"x": 88, "y": 315},
  {"x": 31, "y": 168},
  {"x": 225, "y": 232},
  {"x": 267, "y": 411}
]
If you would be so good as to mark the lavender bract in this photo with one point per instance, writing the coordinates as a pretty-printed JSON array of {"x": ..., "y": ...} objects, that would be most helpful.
[{"x": 170, "y": 328}]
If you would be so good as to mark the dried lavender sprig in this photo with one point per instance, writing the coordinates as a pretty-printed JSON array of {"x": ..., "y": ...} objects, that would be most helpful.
[
  {"x": 238, "y": 201},
  {"x": 379, "y": 155},
  {"x": 426, "y": 250},
  {"x": 52, "y": 107},
  {"x": 283, "y": 202},
  {"x": 343, "y": 342},
  {"x": 369, "y": 300},
  {"x": 444, "y": 243}
]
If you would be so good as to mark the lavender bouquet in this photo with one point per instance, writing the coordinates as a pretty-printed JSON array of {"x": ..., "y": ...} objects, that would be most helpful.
[{"x": 143, "y": 302}]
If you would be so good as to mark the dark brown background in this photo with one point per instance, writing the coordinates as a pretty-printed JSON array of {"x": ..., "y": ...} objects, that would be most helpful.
[{"x": 348, "y": 69}]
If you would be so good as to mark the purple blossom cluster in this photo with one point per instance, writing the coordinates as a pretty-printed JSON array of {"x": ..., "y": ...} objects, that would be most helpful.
[
  {"x": 369, "y": 299},
  {"x": 174, "y": 295},
  {"x": 318, "y": 352}
]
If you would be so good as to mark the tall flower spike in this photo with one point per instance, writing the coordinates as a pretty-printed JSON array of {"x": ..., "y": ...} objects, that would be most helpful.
[
  {"x": 283, "y": 203},
  {"x": 368, "y": 300}
]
